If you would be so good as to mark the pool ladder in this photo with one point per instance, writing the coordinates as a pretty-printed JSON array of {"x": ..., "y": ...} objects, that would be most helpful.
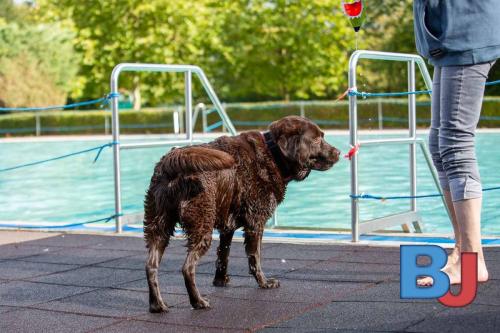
[
  {"x": 188, "y": 71},
  {"x": 407, "y": 218}
]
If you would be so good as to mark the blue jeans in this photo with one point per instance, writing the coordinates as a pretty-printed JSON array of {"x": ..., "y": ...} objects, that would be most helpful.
[{"x": 457, "y": 97}]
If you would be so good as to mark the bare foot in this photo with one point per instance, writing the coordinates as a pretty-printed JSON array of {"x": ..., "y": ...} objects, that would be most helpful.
[
  {"x": 454, "y": 256},
  {"x": 482, "y": 271},
  {"x": 426, "y": 281},
  {"x": 454, "y": 273}
]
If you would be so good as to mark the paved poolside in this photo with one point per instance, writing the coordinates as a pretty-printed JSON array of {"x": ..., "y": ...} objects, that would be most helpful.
[{"x": 86, "y": 283}]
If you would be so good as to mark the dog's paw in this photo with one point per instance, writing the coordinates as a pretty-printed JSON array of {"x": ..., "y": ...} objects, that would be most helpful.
[
  {"x": 202, "y": 303},
  {"x": 158, "y": 308},
  {"x": 271, "y": 283},
  {"x": 221, "y": 281}
]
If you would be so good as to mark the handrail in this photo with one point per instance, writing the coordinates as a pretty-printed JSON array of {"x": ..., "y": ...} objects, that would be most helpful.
[
  {"x": 391, "y": 56},
  {"x": 137, "y": 67},
  {"x": 412, "y": 140},
  {"x": 188, "y": 71}
]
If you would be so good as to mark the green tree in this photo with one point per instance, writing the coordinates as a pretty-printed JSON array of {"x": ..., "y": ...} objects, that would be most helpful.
[
  {"x": 38, "y": 64},
  {"x": 116, "y": 31},
  {"x": 12, "y": 13},
  {"x": 280, "y": 49},
  {"x": 251, "y": 50},
  {"x": 389, "y": 28}
]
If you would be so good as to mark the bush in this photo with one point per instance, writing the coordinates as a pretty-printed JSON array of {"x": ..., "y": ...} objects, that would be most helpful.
[
  {"x": 86, "y": 122},
  {"x": 38, "y": 65},
  {"x": 245, "y": 116}
]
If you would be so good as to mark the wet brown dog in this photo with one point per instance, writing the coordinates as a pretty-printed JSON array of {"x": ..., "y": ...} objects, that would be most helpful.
[{"x": 229, "y": 183}]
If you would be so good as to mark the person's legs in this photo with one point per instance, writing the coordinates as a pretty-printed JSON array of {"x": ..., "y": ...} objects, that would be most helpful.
[
  {"x": 462, "y": 89},
  {"x": 435, "y": 151},
  {"x": 454, "y": 256},
  {"x": 437, "y": 161}
]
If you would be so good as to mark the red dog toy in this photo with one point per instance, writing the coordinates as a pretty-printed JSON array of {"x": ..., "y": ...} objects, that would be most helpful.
[{"x": 352, "y": 152}]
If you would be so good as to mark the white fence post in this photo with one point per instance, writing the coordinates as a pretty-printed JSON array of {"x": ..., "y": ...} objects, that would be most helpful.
[
  {"x": 302, "y": 110},
  {"x": 380, "y": 114},
  {"x": 38, "y": 125},
  {"x": 175, "y": 116},
  {"x": 106, "y": 124}
]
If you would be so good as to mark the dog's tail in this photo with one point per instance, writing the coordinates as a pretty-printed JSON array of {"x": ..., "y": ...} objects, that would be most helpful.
[{"x": 189, "y": 160}]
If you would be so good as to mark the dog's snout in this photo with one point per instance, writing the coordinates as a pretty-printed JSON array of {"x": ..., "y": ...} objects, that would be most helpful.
[{"x": 334, "y": 153}]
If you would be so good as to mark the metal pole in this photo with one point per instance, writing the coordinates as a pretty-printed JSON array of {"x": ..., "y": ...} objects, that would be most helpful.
[
  {"x": 106, "y": 125},
  {"x": 353, "y": 138},
  {"x": 412, "y": 120},
  {"x": 175, "y": 119},
  {"x": 115, "y": 125},
  {"x": 302, "y": 110},
  {"x": 380, "y": 114},
  {"x": 188, "y": 96},
  {"x": 204, "y": 119},
  {"x": 138, "y": 67},
  {"x": 197, "y": 109},
  {"x": 180, "y": 111},
  {"x": 38, "y": 125},
  {"x": 223, "y": 127},
  {"x": 215, "y": 102}
]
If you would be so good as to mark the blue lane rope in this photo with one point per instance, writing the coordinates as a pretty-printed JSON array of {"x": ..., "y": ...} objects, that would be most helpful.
[
  {"x": 377, "y": 197},
  {"x": 57, "y": 226},
  {"x": 434, "y": 195},
  {"x": 98, "y": 148},
  {"x": 491, "y": 189},
  {"x": 102, "y": 101},
  {"x": 354, "y": 92},
  {"x": 214, "y": 126},
  {"x": 362, "y": 94},
  {"x": 492, "y": 83}
]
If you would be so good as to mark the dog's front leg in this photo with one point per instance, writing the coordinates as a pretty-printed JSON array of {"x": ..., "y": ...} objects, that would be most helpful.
[{"x": 253, "y": 241}]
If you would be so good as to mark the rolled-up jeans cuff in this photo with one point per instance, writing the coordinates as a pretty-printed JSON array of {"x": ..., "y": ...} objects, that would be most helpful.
[
  {"x": 465, "y": 187},
  {"x": 443, "y": 180}
]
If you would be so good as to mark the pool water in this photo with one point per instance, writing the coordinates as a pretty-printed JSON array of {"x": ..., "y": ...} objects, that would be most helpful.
[{"x": 75, "y": 189}]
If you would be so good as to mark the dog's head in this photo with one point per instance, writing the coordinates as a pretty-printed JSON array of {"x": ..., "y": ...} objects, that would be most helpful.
[{"x": 303, "y": 145}]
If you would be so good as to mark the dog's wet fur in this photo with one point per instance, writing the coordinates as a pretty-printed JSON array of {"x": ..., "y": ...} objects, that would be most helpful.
[{"x": 226, "y": 184}]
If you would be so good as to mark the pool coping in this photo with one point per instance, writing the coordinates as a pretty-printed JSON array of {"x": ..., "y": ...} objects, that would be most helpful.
[{"x": 273, "y": 235}]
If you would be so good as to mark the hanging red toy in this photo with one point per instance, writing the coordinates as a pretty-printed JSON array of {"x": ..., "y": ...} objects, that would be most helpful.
[{"x": 354, "y": 10}]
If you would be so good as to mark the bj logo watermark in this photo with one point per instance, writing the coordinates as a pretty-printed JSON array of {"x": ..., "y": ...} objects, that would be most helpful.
[{"x": 440, "y": 288}]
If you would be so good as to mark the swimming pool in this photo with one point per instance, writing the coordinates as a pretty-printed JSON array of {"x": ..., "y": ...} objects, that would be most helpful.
[{"x": 74, "y": 189}]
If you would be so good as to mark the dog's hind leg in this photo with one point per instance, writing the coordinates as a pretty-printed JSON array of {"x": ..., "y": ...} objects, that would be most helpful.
[
  {"x": 156, "y": 249},
  {"x": 221, "y": 278},
  {"x": 197, "y": 246},
  {"x": 253, "y": 243}
]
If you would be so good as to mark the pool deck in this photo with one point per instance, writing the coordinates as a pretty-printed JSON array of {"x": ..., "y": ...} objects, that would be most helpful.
[{"x": 52, "y": 282}]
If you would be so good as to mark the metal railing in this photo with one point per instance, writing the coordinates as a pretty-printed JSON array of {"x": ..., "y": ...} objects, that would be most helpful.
[
  {"x": 407, "y": 218},
  {"x": 188, "y": 71}
]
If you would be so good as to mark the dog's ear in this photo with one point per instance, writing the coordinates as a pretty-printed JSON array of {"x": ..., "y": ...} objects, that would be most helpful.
[
  {"x": 294, "y": 148},
  {"x": 288, "y": 133}
]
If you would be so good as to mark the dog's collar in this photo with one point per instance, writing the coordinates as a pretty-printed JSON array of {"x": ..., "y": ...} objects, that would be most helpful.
[{"x": 278, "y": 157}]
